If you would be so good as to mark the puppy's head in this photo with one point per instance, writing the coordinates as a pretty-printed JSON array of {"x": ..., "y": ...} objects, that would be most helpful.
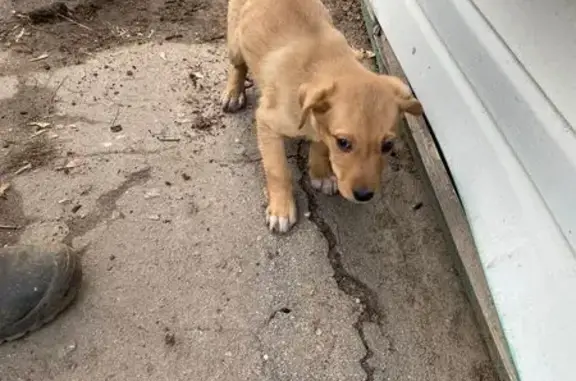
[{"x": 357, "y": 118}]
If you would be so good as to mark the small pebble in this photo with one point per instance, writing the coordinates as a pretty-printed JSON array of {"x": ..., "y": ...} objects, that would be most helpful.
[
  {"x": 116, "y": 215},
  {"x": 85, "y": 190},
  {"x": 240, "y": 151},
  {"x": 116, "y": 128},
  {"x": 169, "y": 339},
  {"x": 153, "y": 193},
  {"x": 68, "y": 350}
]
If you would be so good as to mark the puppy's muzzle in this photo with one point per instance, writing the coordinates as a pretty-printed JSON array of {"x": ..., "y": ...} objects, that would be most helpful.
[{"x": 363, "y": 194}]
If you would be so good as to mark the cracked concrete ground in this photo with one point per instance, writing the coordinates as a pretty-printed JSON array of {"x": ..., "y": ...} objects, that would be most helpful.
[{"x": 140, "y": 170}]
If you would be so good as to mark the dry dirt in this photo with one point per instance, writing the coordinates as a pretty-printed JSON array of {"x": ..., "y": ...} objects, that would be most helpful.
[
  {"x": 102, "y": 24},
  {"x": 44, "y": 27}
]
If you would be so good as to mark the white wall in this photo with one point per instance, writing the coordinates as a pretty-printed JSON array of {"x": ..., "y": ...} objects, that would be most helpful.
[
  {"x": 542, "y": 35},
  {"x": 499, "y": 94}
]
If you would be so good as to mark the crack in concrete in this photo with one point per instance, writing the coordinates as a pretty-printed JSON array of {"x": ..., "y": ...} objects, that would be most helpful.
[
  {"x": 346, "y": 282},
  {"x": 127, "y": 152},
  {"x": 79, "y": 226}
]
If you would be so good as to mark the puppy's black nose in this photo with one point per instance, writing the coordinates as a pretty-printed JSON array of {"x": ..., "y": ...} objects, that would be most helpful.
[{"x": 363, "y": 194}]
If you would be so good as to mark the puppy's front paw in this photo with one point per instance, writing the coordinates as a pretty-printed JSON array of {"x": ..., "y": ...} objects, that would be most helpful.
[
  {"x": 233, "y": 100},
  {"x": 281, "y": 214},
  {"x": 327, "y": 185}
]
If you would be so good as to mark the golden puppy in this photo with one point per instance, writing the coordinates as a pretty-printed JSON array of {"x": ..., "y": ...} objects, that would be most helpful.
[{"x": 312, "y": 85}]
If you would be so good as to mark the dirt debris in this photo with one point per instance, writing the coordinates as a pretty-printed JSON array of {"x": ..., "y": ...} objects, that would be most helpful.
[
  {"x": 12, "y": 215},
  {"x": 47, "y": 14},
  {"x": 73, "y": 30},
  {"x": 169, "y": 339},
  {"x": 27, "y": 155}
]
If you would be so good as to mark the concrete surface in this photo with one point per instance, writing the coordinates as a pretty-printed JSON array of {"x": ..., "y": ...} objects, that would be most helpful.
[{"x": 163, "y": 193}]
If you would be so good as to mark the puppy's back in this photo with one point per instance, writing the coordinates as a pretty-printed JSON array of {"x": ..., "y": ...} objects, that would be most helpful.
[{"x": 267, "y": 25}]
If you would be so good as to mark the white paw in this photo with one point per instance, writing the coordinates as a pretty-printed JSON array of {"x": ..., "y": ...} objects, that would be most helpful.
[
  {"x": 327, "y": 185},
  {"x": 281, "y": 219},
  {"x": 233, "y": 101}
]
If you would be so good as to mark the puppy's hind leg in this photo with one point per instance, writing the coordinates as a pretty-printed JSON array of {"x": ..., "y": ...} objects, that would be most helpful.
[{"x": 234, "y": 96}]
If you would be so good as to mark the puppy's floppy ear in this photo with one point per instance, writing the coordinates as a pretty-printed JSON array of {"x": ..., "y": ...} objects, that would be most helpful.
[
  {"x": 404, "y": 97},
  {"x": 314, "y": 98}
]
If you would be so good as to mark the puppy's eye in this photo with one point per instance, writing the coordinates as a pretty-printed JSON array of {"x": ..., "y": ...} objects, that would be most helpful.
[
  {"x": 344, "y": 144},
  {"x": 387, "y": 146}
]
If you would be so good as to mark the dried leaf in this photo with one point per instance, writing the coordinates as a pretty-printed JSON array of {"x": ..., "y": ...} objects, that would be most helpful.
[
  {"x": 40, "y": 124},
  {"x": 9, "y": 227},
  {"x": 73, "y": 163},
  {"x": 39, "y": 132},
  {"x": 153, "y": 193},
  {"x": 40, "y": 57},
  {"x": 19, "y": 35},
  {"x": 24, "y": 169},
  {"x": 3, "y": 188}
]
